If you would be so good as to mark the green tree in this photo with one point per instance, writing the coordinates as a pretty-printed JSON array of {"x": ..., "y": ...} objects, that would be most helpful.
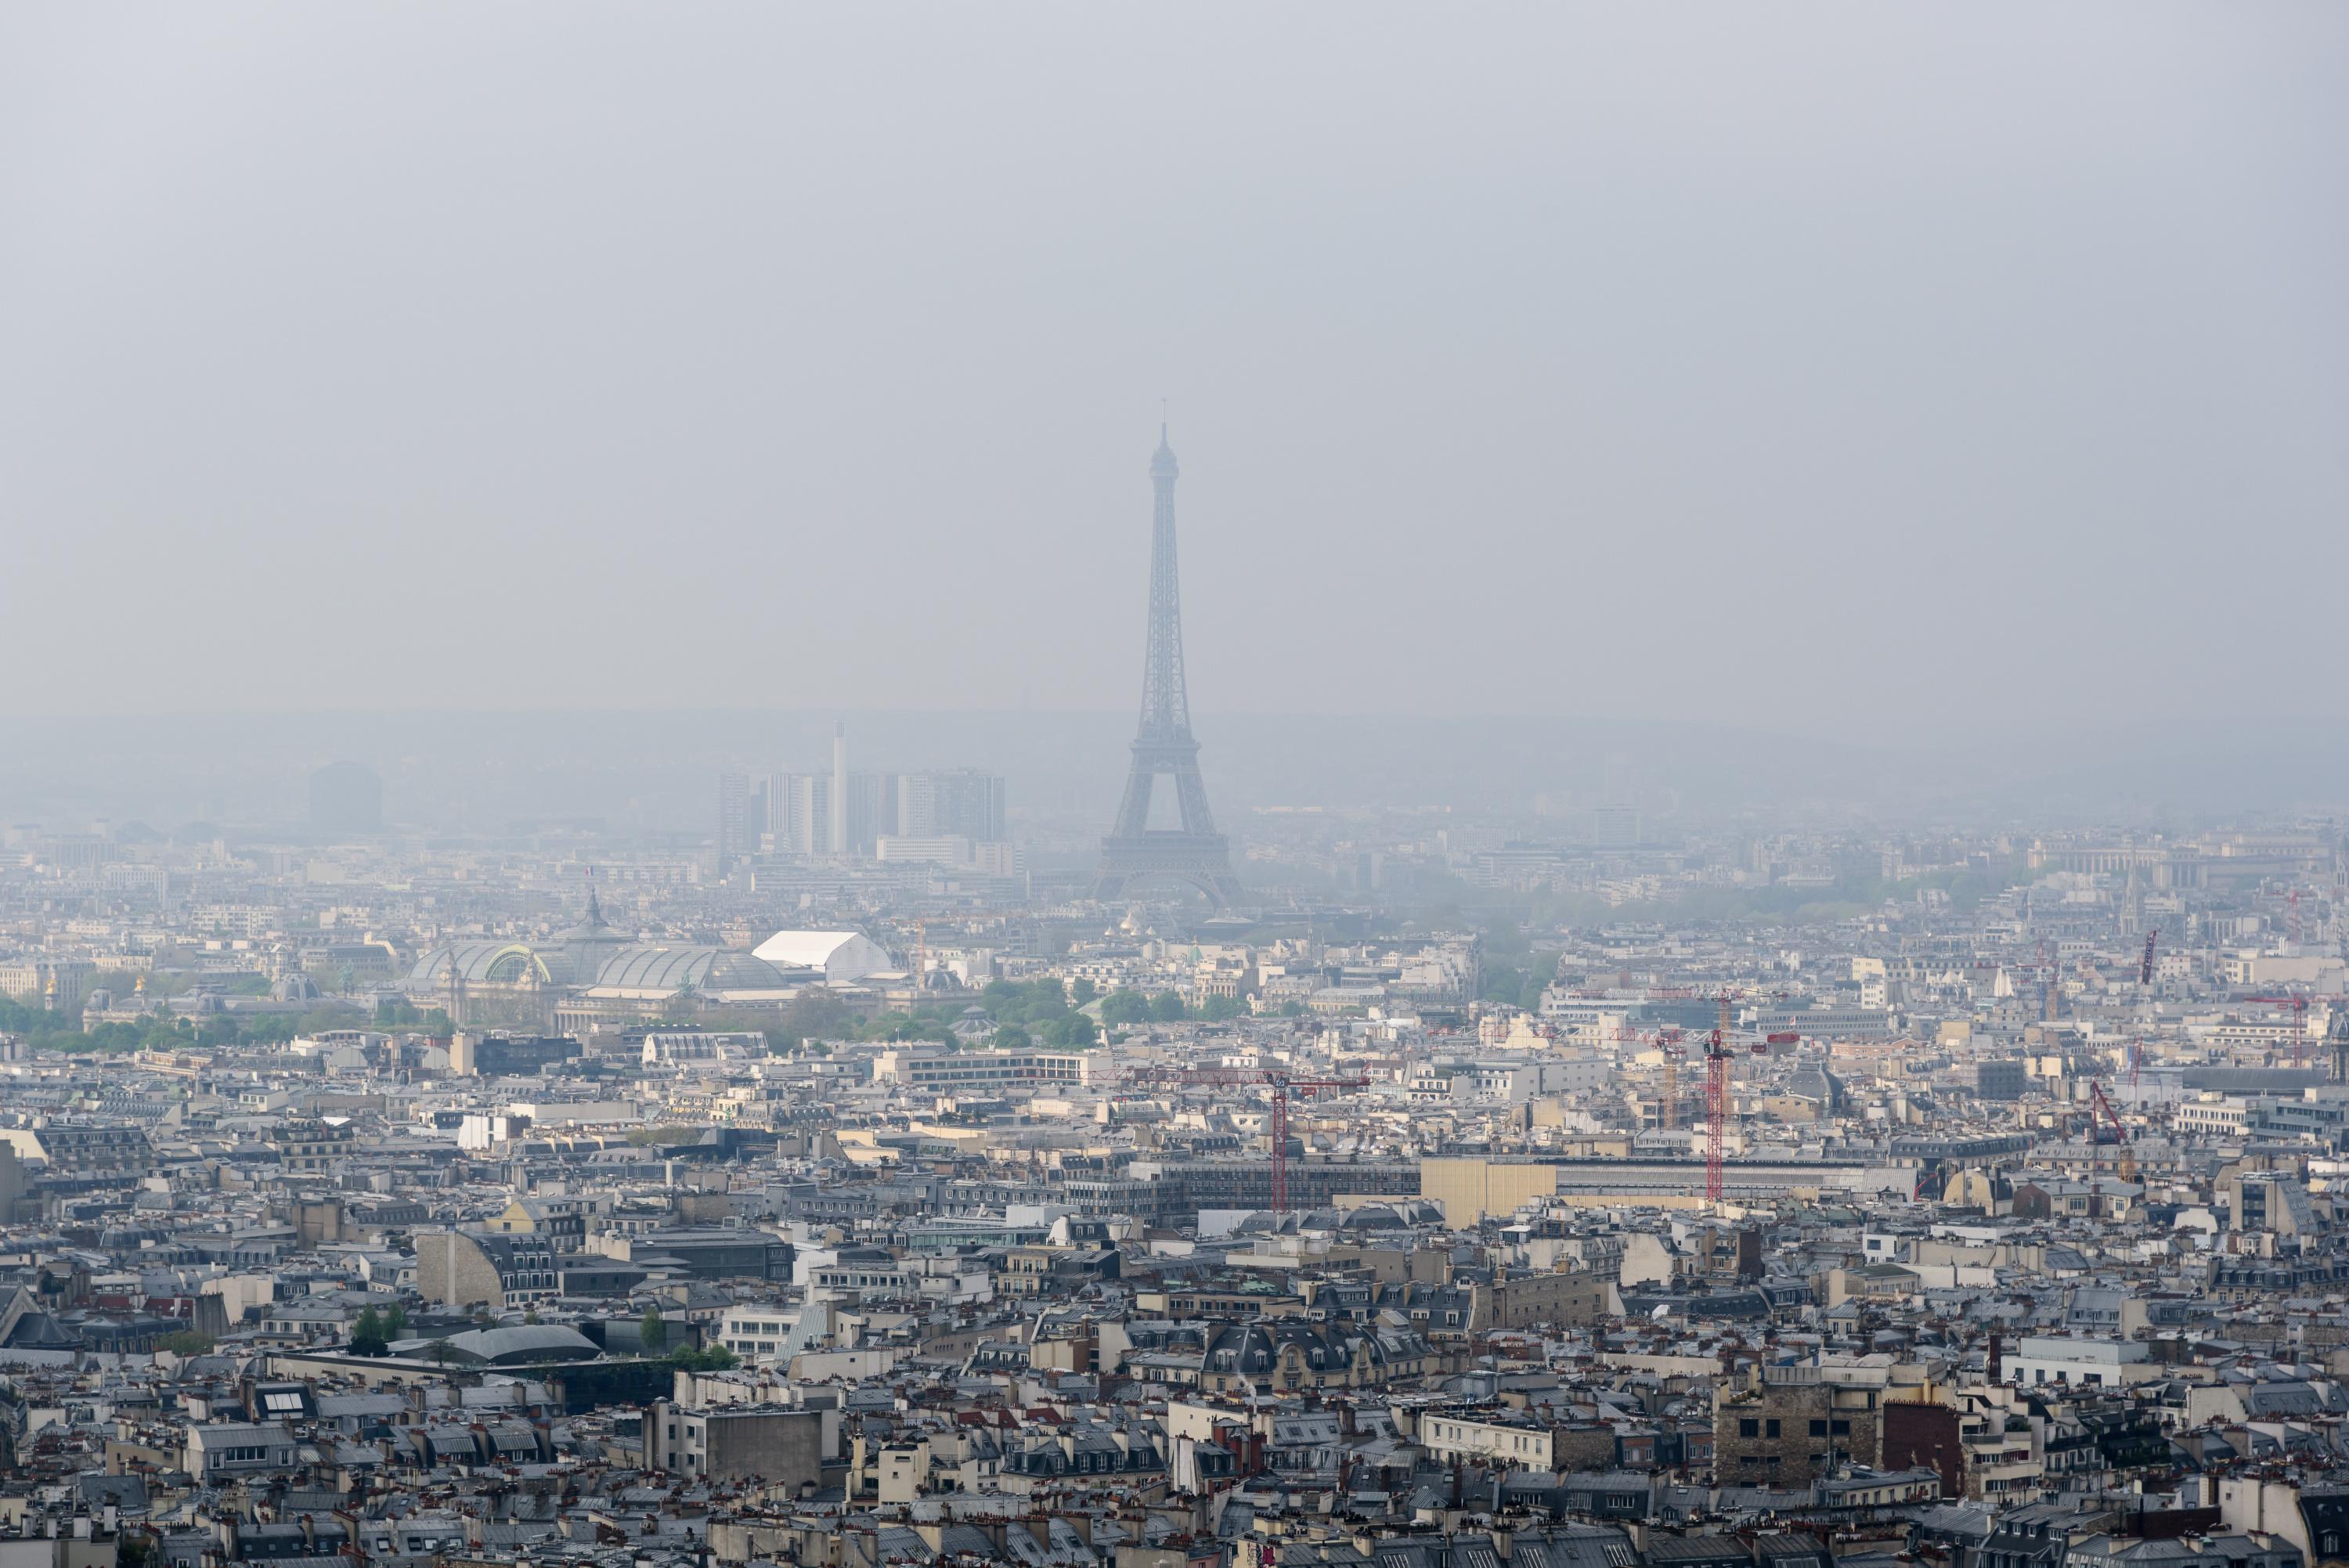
[
  {"x": 653, "y": 1330},
  {"x": 813, "y": 1014},
  {"x": 1072, "y": 1032},
  {"x": 1083, "y": 990},
  {"x": 406, "y": 1015},
  {"x": 187, "y": 1342},
  {"x": 1125, "y": 1007},
  {"x": 368, "y": 1337},
  {"x": 1166, "y": 1007},
  {"x": 1012, "y": 1037},
  {"x": 1504, "y": 983},
  {"x": 395, "y": 1322}
]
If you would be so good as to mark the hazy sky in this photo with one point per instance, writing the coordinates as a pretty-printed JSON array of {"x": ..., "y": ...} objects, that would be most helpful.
[{"x": 1804, "y": 367}]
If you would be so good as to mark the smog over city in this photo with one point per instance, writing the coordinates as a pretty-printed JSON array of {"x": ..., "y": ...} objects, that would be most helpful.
[{"x": 1207, "y": 786}]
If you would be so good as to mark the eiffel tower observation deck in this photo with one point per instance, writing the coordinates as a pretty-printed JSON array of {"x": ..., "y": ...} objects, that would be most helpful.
[{"x": 1162, "y": 748}]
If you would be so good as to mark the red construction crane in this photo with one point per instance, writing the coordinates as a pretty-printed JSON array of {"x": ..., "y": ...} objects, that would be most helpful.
[
  {"x": 1282, "y": 1083},
  {"x": 2291, "y": 896},
  {"x": 2112, "y": 1118},
  {"x": 2299, "y": 1005},
  {"x": 2098, "y": 1102}
]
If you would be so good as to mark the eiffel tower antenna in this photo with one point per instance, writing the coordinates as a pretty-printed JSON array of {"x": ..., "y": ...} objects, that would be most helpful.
[{"x": 1193, "y": 852}]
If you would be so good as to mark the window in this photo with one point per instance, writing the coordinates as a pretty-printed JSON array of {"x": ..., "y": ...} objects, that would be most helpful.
[
  {"x": 1749, "y": 1428},
  {"x": 1771, "y": 1428},
  {"x": 1840, "y": 1428},
  {"x": 1818, "y": 1429}
]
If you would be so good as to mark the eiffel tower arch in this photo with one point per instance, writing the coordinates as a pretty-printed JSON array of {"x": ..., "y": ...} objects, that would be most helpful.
[{"x": 1163, "y": 747}]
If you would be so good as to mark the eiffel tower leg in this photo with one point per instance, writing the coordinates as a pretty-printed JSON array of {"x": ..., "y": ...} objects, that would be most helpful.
[
  {"x": 1134, "y": 812},
  {"x": 1191, "y": 793}
]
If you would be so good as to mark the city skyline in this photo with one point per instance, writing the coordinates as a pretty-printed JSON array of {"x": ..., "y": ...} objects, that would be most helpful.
[{"x": 600, "y": 969}]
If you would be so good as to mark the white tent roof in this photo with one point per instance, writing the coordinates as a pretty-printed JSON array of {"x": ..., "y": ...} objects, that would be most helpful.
[{"x": 815, "y": 949}]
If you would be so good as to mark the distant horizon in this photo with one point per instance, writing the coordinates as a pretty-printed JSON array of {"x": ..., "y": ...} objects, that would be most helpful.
[
  {"x": 655, "y": 769},
  {"x": 1909, "y": 735}
]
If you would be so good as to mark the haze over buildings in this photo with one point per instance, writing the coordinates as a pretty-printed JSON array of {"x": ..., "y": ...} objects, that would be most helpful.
[{"x": 1718, "y": 938}]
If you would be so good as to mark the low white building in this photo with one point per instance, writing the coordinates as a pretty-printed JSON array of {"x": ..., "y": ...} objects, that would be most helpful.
[
  {"x": 2040, "y": 1359},
  {"x": 928, "y": 1067},
  {"x": 757, "y": 1333},
  {"x": 1452, "y": 1438},
  {"x": 842, "y": 956}
]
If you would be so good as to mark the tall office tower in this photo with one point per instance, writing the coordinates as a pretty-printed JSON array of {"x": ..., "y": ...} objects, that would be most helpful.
[
  {"x": 799, "y": 814},
  {"x": 960, "y": 802},
  {"x": 775, "y": 824},
  {"x": 917, "y": 806},
  {"x": 734, "y": 817},
  {"x": 841, "y": 842},
  {"x": 833, "y": 813},
  {"x": 871, "y": 803},
  {"x": 1193, "y": 852}
]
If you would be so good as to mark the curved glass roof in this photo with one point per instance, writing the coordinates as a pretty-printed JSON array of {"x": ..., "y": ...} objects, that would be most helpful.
[
  {"x": 486, "y": 963},
  {"x": 702, "y": 968}
]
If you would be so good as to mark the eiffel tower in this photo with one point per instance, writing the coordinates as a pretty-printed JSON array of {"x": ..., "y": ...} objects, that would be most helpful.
[{"x": 1195, "y": 853}]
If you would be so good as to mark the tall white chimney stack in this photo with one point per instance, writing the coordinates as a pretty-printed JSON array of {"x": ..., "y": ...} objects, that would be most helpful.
[{"x": 840, "y": 844}]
